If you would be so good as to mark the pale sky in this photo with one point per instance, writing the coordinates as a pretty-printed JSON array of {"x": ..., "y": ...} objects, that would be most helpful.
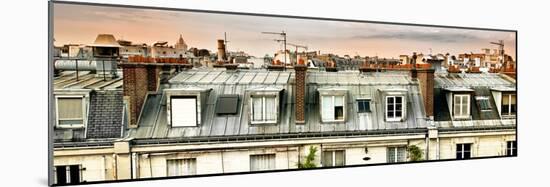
[{"x": 81, "y": 24}]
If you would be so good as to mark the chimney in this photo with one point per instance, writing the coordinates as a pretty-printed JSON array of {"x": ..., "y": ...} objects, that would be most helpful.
[
  {"x": 425, "y": 78},
  {"x": 140, "y": 76},
  {"x": 300, "y": 91},
  {"x": 276, "y": 65},
  {"x": 414, "y": 72},
  {"x": 221, "y": 51}
]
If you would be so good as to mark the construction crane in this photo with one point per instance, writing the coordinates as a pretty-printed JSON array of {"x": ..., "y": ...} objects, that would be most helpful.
[
  {"x": 503, "y": 62},
  {"x": 283, "y": 35}
]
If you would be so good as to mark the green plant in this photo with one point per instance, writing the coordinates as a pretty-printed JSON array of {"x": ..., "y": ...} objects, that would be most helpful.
[
  {"x": 415, "y": 153},
  {"x": 308, "y": 163}
]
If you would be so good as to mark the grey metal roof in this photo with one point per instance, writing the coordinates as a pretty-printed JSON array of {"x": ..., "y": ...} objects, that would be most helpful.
[
  {"x": 105, "y": 111},
  {"x": 479, "y": 84},
  {"x": 86, "y": 80},
  {"x": 471, "y": 80},
  {"x": 153, "y": 122}
]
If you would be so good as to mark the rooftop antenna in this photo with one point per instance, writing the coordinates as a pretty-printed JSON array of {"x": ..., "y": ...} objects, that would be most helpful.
[
  {"x": 283, "y": 35},
  {"x": 500, "y": 44},
  {"x": 225, "y": 43}
]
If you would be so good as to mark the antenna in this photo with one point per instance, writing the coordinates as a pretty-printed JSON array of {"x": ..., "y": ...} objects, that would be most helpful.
[
  {"x": 282, "y": 34},
  {"x": 504, "y": 63},
  {"x": 225, "y": 43}
]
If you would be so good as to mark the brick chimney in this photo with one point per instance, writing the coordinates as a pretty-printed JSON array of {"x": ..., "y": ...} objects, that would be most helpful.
[
  {"x": 300, "y": 91},
  {"x": 425, "y": 77},
  {"x": 139, "y": 78}
]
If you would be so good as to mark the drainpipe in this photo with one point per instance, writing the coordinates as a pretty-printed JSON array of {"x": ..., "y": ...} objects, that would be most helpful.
[
  {"x": 103, "y": 170},
  {"x": 115, "y": 167},
  {"x": 134, "y": 166},
  {"x": 427, "y": 147},
  {"x": 437, "y": 149}
]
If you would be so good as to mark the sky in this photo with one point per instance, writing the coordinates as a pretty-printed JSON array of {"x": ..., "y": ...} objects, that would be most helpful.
[{"x": 80, "y": 24}]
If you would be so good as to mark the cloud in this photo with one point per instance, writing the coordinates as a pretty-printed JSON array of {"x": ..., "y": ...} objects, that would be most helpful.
[{"x": 423, "y": 36}]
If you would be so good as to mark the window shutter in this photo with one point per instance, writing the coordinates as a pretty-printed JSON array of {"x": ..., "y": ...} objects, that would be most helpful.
[
  {"x": 340, "y": 158},
  {"x": 257, "y": 109},
  {"x": 262, "y": 162},
  {"x": 401, "y": 154},
  {"x": 327, "y": 159},
  {"x": 184, "y": 112},
  {"x": 69, "y": 108},
  {"x": 270, "y": 107},
  {"x": 391, "y": 154},
  {"x": 327, "y": 108}
]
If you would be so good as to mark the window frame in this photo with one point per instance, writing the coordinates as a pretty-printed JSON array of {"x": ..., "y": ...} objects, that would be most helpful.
[
  {"x": 386, "y": 104},
  {"x": 509, "y": 97},
  {"x": 511, "y": 148},
  {"x": 462, "y": 151},
  {"x": 362, "y": 101},
  {"x": 468, "y": 106},
  {"x": 333, "y": 161},
  {"x": 394, "y": 156},
  {"x": 84, "y": 111},
  {"x": 264, "y": 114},
  {"x": 68, "y": 176},
  {"x": 333, "y": 98},
  {"x": 197, "y": 108},
  {"x": 194, "y": 160},
  {"x": 263, "y": 169},
  {"x": 479, "y": 100}
]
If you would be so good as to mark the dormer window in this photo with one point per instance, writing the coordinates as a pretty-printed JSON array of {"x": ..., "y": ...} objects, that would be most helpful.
[
  {"x": 183, "y": 111},
  {"x": 394, "y": 104},
  {"x": 394, "y": 108},
  {"x": 264, "y": 108},
  {"x": 484, "y": 104},
  {"x": 264, "y": 105},
  {"x": 363, "y": 105},
  {"x": 332, "y": 104},
  {"x": 70, "y": 111},
  {"x": 461, "y": 105},
  {"x": 184, "y": 105},
  {"x": 508, "y": 107},
  {"x": 332, "y": 107}
]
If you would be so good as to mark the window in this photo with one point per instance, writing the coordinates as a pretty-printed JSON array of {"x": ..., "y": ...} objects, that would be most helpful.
[
  {"x": 463, "y": 151},
  {"x": 333, "y": 158},
  {"x": 227, "y": 104},
  {"x": 179, "y": 167},
  {"x": 264, "y": 109},
  {"x": 332, "y": 108},
  {"x": 363, "y": 105},
  {"x": 262, "y": 162},
  {"x": 394, "y": 108},
  {"x": 461, "y": 106},
  {"x": 183, "y": 111},
  {"x": 396, "y": 154},
  {"x": 508, "y": 104},
  {"x": 70, "y": 174},
  {"x": 70, "y": 111},
  {"x": 484, "y": 104},
  {"x": 511, "y": 148}
]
